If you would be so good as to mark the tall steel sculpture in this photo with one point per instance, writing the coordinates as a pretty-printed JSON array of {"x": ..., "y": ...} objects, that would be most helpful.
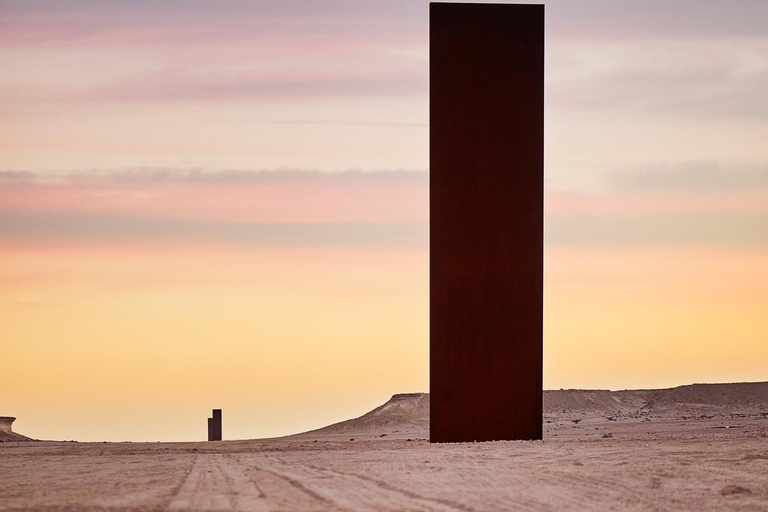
[
  {"x": 214, "y": 426},
  {"x": 486, "y": 221}
]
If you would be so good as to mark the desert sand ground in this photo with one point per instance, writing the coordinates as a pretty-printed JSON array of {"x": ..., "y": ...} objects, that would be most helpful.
[{"x": 701, "y": 447}]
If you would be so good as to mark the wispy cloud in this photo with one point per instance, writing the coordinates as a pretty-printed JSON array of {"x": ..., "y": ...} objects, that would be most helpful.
[
  {"x": 18, "y": 177},
  {"x": 45, "y": 230},
  {"x": 271, "y": 196},
  {"x": 691, "y": 177},
  {"x": 743, "y": 230},
  {"x": 668, "y": 77},
  {"x": 686, "y": 203},
  {"x": 591, "y": 19},
  {"x": 183, "y": 51},
  {"x": 240, "y": 87},
  {"x": 657, "y": 19},
  {"x": 281, "y": 208},
  {"x": 390, "y": 124},
  {"x": 150, "y": 176},
  {"x": 199, "y": 22},
  {"x": 702, "y": 187}
]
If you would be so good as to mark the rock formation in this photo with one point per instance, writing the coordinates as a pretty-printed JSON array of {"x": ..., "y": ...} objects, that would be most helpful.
[{"x": 6, "y": 430}]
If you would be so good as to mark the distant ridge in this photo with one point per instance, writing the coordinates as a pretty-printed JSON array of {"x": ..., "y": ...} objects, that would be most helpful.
[
  {"x": 410, "y": 411},
  {"x": 741, "y": 397},
  {"x": 403, "y": 410}
]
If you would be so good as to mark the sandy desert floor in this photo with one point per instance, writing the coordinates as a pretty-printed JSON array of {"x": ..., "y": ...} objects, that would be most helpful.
[{"x": 589, "y": 463}]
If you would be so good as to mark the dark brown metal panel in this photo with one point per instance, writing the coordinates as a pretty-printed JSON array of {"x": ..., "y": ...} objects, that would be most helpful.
[
  {"x": 216, "y": 427},
  {"x": 210, "y": 429},
  {"x": 486, "y": 221}
]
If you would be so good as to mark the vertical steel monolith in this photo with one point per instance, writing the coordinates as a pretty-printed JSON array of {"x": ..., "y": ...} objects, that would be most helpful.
[
  {"x": 486, "y": 221},
  {"x": 214, "y": 426}
]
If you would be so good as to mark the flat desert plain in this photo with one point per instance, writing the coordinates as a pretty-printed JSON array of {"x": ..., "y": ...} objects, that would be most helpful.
[{"x": 699, "y": 447}]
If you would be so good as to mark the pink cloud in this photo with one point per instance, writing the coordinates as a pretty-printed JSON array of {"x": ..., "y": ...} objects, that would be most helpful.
[{"x": 306, "y": 198}]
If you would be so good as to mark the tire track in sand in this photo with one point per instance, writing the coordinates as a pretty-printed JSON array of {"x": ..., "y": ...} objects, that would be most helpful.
[
  {"x": 349, "y": 491},
  {"x": 217, "y": 483},
  {"x": 451, "y": 505}
]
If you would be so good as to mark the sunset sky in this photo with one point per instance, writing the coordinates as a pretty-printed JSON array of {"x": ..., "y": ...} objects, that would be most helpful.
[{"x": 225, "y": 204}]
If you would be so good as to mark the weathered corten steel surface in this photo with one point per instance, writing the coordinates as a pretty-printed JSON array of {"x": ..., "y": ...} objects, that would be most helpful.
[
  {"x": 486, "y": 221},
  {"x": 215, "y": 430}
]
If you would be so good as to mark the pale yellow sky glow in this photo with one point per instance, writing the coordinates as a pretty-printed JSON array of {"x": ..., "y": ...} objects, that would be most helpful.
[{"x": 228, "y": 207}]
